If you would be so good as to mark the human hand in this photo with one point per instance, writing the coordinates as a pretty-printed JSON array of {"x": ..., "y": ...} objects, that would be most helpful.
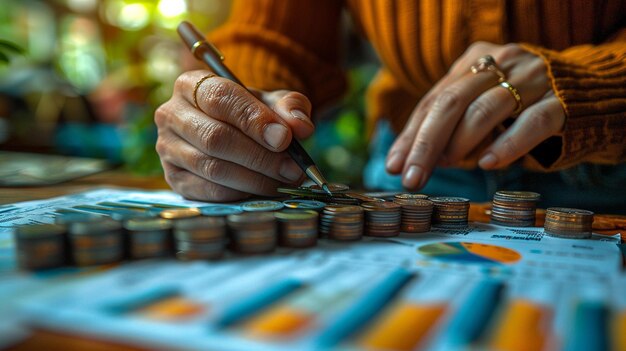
[
  {"x": 462, "y": 109},
  {"x": 231, "y": 145}
]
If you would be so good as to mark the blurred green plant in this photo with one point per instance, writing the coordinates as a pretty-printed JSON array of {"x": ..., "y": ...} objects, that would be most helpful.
[{"x": 8, "y": 48}]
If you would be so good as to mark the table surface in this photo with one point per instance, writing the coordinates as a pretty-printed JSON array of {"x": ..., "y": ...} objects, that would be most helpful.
[{"x": 52, "y": 341}]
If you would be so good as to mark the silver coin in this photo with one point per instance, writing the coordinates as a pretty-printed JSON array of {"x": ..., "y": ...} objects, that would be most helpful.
[
  {"x": 262, "y": 206},
  {"x": 220, "y": 210}
]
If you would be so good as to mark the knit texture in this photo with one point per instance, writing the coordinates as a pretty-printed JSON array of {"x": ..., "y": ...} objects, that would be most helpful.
[{"x": 294, "y": 44}]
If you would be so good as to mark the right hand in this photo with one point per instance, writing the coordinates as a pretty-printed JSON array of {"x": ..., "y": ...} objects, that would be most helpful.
[{"x": 233, "y": 146}]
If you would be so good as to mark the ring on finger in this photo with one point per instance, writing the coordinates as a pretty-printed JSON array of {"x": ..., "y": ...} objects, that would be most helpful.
[
  {"x": 488, "y": 64},
  {"x": 515, "y": 94},
  {"x": 195, "y": 89}
]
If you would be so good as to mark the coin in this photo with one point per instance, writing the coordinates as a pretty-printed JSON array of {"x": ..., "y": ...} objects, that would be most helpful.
[
  {"x": 96, "y": 242},
  {"x": 407, "y": 196},
  {"x": 342, "y": 222},
  {"x": 200, "y": 238},
  {"x": 40, "y": 246},
  {"x": 568, "y": 223},
  {"x": 416, "y": 214},
  {"x": 450, "y": 212},
  {"x": 179, "y": 213},
  {"x": 148, "y": 237},
  {"x": 382, "y": 219},
  {"x": 304, "y": 204},
  {"x": 297, "y": 228},
  {"x": 220, "y": 210},
  {"x": 262, "y": 206},
  {"x": 514, "y": 208},
  {"x": 252, "y": 232},
  {"x": 333, "y": 187}
]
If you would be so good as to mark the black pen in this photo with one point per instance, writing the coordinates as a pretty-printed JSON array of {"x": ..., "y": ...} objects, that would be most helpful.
[{"x": 208, "y": 53}]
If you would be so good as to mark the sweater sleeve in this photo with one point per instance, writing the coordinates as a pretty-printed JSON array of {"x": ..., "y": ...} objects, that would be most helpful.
[
  {"x": 590, "y": 82},
  {"x": 278, "y": 44}
]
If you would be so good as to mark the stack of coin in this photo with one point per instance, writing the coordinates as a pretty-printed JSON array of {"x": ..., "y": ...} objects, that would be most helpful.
[
  {"x": 416, "y": 213},
  {"x": 407, "y": 196},
  {"x": 40, "y": 246},
  {"x": 514, "y": 208},
  {"x": 568, "y": 223},
  {"x": 297, "y": 228},
  {"x": 200, "y": 238},
  {"x": 342, "y": 222},
  {"x": 252, "y": 232},
  {"x": 147, "y": 237},
  {"x": 382, "y": 218},
  {"x": 262, "y": 206},
  {"x": 450, "y": 212},
  {"x": 96, "y": 242}
]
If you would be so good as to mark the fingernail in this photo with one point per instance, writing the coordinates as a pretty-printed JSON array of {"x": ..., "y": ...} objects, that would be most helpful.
[
  {"x": 299, "y": 114},
  {"x": 413, "y": 177},
  {"x": 488, "y": 161},
  {"x": 290, "y": 170},
  {"x": 275, "y": 134},
  {"x": 393, "y": 162}
]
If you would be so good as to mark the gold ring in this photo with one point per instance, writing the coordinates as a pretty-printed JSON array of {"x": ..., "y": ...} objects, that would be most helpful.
[
  {"x": 515, "y": 94},
  {"x": 195, "y": 90},
  {"x": 488, "y": 64}
]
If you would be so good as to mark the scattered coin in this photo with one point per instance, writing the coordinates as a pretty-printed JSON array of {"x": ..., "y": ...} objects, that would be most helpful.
[
  {"x": 200, "y": 238},
  {"x": 317, "y": 206},
  {"x": 514, "y": 208},
  {"x": 40, "y": 246},
  {"x": 96, "y": 242},
  {"x": 180, "y": 213},
  {"x": 220, "y": 210},
  {"x": 416, "y": 214},
  {"x": 252, "y": 232},
  {"x": 568, "y": 223},
  {"x": 382, "y": 218},
  {"x": 450, "y": 212},
  {"x": 333, "y": 187},
  {"x": 342, "y": 222},
  {"x": 148, "y": 237},
  {"x": 262, "y": 206},
  {"x": 297, "y": 228}
]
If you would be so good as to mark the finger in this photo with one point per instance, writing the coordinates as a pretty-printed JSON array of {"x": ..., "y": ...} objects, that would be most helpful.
[
  {"x": 436, "y": 129},
  {"x": 193, "y": 187},
  {"x": 495, "y": 105},
  {"x": 229, "y": 102},
  {"x": 536, "y": 124},
  {"x": 294, "y": 108},
  {"x": 183, "y": 155},
  {"x": 221, "y": 140}
]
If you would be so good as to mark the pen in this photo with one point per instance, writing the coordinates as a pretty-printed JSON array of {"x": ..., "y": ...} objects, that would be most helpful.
[{"x": 208, "y": 53}]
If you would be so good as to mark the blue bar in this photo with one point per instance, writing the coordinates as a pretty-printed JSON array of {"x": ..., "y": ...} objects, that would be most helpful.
[
  {"x": 366, "y": 307},
  {"x": 255, "y": 303},
  {"x": 590, "y": 328},
  {"x": 474, "y": 314},
  {"x": 139, "y": 299}
]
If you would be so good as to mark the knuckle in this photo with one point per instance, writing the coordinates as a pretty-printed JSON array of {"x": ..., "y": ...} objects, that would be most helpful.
[
  {"x": 508, "y": 51},
  {"x": 182, "y": 81},
  {"x": 211, "y": 168},
  {"x": 479, "y": 113},
  {"x": 161, "y": 115},
  {"x": 540, "y": 120},
  {"x": 161, "y": 146},
  {"x": 213, "y": 136},
  {"x": 422, "y": 147},
  {"x": 215, "y": 92},
  {"x": 258, "y": 160},
  {"x": 448, "y": 99},
  {"x": 251, "y": 115},
  {"x": 509, "y": 147}
]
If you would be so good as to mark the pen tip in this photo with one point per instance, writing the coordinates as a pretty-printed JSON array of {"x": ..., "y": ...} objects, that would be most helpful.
[{"x": 325, "y": 188}]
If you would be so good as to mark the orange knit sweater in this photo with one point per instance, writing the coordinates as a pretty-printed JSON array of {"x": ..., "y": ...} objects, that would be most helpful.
[{"x": 294, "y": 44}]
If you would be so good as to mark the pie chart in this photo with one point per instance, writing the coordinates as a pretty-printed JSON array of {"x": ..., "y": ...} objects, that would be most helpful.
[{"x": 468, "y": 252}]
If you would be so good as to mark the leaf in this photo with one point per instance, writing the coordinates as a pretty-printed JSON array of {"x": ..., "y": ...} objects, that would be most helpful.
[{"x": 9, "y": 46}]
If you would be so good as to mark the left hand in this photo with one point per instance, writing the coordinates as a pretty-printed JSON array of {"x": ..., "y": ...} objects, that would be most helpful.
[{"x": 462, "y": 109}]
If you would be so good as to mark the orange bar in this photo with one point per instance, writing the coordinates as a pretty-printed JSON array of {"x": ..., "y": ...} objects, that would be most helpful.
[
  {"x": 280, "y": 321},
  {"x": 402, "y": 328},
  {"x": 524, "y": 326},
  {"x": 170, "y": 309},
  {"x": 619, "y": 332}
]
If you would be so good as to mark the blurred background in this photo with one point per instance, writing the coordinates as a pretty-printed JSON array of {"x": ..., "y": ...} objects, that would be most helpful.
[{"x": 93, "y": 72}]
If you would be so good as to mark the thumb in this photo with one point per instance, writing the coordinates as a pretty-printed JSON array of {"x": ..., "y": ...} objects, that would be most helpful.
[{"x": 294, "y": 108}]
